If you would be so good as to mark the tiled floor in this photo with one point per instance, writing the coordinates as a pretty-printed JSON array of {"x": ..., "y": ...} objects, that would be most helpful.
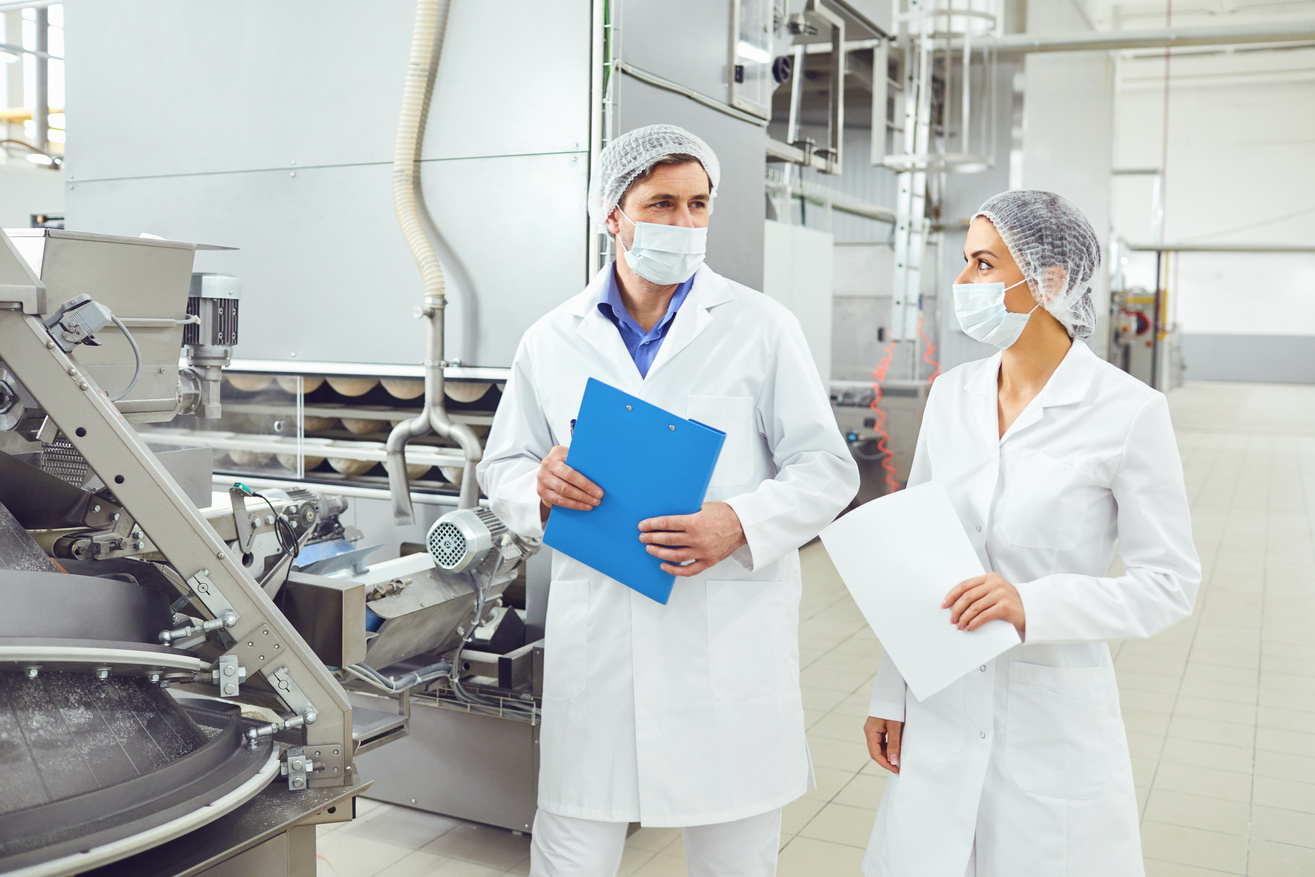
[{"x": 1220, "y": 710}]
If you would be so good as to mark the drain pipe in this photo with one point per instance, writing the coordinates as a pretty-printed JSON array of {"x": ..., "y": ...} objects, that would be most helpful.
[{"x": 426, "y": 45}]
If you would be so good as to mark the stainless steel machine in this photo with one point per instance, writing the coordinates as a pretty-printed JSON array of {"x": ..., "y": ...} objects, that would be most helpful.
[{"x": 172, "y": 670}]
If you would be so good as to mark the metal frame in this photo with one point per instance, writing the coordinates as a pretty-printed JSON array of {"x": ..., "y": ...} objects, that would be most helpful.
[{"x": 264, "y": 640}]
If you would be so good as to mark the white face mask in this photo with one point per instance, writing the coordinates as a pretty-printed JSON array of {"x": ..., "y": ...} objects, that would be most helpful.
[
  {"x": 983, "y": 316},
  {"x": 665, "y": 254}
]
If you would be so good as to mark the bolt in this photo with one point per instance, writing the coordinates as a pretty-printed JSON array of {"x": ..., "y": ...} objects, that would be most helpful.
[
  {"x": 50, "y": 345},
  {"x": 230, "y": 670},
  {"x": 164, "y": 683},
  {"x": 269, "y": 519},
  {"x": 83, "y": 385},
  {"x": 32, "y": 672},
  {"x": 298, "y": 764},
  {"x": 115, "y": 516},
  {"x": 72, "y": 372},
  {"x": 95, "y": 508},
  {"x": 102, "y": 673},
  {"x": 139, "y": 545},
  {"x": 153, "y": 676},
  {"x": 230, "y": 688}
]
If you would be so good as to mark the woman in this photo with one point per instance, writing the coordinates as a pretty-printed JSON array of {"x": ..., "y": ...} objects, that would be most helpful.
[{"x": 1050, "y": 456}]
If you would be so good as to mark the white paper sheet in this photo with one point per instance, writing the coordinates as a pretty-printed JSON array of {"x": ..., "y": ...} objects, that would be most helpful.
[{"x": 899, "y": 555}]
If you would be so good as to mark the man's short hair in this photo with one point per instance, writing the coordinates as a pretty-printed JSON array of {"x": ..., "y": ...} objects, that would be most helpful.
[{"x": 666, "y": 160}]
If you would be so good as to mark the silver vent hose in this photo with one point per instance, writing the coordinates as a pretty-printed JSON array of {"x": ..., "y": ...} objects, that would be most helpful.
[{"x": 426, "y": 46}]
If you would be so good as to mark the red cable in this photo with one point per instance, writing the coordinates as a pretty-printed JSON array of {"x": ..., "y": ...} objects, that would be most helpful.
[
  {"x": 878, "y": 376},
  {"x": 926, "y": 357}
]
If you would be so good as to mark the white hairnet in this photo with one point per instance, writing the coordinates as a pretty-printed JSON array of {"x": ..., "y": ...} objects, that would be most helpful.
[
  {"x": 1056, "y": 248},
  {"x": 632, "y": 154}
]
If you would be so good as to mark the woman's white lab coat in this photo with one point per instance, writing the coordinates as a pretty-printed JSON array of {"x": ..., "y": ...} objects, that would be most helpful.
[
  {"x": 1026, "y": 759},
  {"x": 688, "y": 713}
]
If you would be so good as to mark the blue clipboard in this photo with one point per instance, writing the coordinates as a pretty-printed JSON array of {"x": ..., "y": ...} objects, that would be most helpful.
[{"x": 649, "y": 463}]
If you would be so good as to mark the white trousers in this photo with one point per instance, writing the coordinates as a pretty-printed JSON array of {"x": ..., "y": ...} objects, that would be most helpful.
[{"x": 563, "y": 846}]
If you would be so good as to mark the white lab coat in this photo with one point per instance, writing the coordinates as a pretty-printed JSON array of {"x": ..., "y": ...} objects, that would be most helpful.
[
  {"x": 1026, "y": 758},
  {"x": 688, "y": 713}
]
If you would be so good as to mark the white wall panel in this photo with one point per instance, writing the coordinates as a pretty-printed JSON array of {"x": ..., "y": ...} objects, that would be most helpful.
[
  {"x": 326, "y": 274},
  {"x": 158, "y": 87}
]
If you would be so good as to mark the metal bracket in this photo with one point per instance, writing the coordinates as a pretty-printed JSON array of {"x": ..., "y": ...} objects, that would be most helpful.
[
  {"x": 257, "y": 648},
  {"x": 296, "y": 767},
  {"x": 241, "y": 519},
  {"x": 229, "y": 675},
  {"x": 208, "y": 593},
  {"x": 291, "y": 694}
]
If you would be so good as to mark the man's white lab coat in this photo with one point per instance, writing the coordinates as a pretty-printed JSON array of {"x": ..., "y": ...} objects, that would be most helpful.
[
  {"x": 688, "y": 713},
  {"x": 1027, "y": 757}
]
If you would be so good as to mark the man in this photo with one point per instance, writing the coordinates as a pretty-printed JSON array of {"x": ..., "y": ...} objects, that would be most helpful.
[{"x": 687, "y": 714}]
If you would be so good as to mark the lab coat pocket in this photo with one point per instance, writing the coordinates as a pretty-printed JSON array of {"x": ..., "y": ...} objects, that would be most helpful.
[
  {"x": 1046, "y": 504},
  {"x": 732, "y": 415},
  {"x": 1057, "y": 732},
  {"x": 934, "y": 728},
  {"x": 566, "y": 651},
  {"x": 747, "y": 639}
]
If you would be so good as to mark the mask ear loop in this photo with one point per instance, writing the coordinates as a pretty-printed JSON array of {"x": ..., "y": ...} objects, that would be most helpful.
[{"x": 1007, "y": 288}]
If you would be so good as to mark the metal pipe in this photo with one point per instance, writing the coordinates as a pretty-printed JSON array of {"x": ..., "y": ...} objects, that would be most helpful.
[
  {"x": 41, "y": 112},
  {"x": 1168, "y": 37},
  {"x": 426, "y": 46}
]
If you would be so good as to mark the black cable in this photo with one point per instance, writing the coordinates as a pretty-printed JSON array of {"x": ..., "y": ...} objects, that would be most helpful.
[{"x": 282, "y": 529}]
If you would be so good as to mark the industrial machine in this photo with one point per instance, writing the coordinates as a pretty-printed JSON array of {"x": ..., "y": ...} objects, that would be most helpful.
[{"x": 172, "y": 669}]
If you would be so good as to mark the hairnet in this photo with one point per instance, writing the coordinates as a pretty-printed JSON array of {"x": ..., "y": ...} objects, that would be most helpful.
[
  {"x": 632, "y": 154},
  {"x": 1056, "y": 248}
]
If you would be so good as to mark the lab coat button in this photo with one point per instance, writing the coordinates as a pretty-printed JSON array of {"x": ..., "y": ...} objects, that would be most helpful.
[
  {"x": 982, "y": 668},
  {"x": 983, "y": 734},
  {"x": 979, "y": 528}
]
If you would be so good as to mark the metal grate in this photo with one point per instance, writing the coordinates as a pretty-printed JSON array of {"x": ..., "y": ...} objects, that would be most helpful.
[
  {"x": 447, "y": 544},
  {"x": 61, "y": 459}
]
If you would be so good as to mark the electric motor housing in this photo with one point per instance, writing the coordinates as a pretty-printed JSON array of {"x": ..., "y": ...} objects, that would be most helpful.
[{"x": 463, "y": 538}]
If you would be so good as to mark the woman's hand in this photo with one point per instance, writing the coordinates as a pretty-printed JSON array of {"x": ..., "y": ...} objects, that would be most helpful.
[
  {"x": 884, "y": 741},
  {"x": 978, "y": 600}
]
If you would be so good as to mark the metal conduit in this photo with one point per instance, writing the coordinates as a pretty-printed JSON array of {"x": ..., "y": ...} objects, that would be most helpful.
[{"x": 426, "y": 47}]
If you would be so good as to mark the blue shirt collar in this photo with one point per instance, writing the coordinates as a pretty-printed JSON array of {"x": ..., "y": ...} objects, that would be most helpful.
[{"x": 612, "y": 307}]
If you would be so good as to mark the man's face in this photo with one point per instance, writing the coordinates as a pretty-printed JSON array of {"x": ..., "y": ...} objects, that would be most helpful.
[{"x": 675, "y": 194}]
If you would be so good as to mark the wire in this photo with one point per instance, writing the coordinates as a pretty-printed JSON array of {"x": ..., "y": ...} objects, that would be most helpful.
[
  {"x": 926, "y": 357},
  {"x": 879, "y": 376},
  {"x": 137, "y": 356},
  {"x": 282, "y": 529}
]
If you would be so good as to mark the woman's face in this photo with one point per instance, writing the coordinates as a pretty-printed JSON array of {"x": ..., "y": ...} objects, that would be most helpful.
[{"x": 989, "y": 261}]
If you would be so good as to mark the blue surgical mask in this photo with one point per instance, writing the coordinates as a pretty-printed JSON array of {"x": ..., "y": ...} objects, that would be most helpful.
[
  {"x": 983, "y": 316},
  {"x": 665, "y": 254}
]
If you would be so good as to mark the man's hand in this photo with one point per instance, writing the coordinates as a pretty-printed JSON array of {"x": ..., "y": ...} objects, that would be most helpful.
[
  {"x": 561, "y": 485},
  {"x": 707, "y": 538},
  {"x": 980, "y": 599},
  {"x": 884, "y": 741}
]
